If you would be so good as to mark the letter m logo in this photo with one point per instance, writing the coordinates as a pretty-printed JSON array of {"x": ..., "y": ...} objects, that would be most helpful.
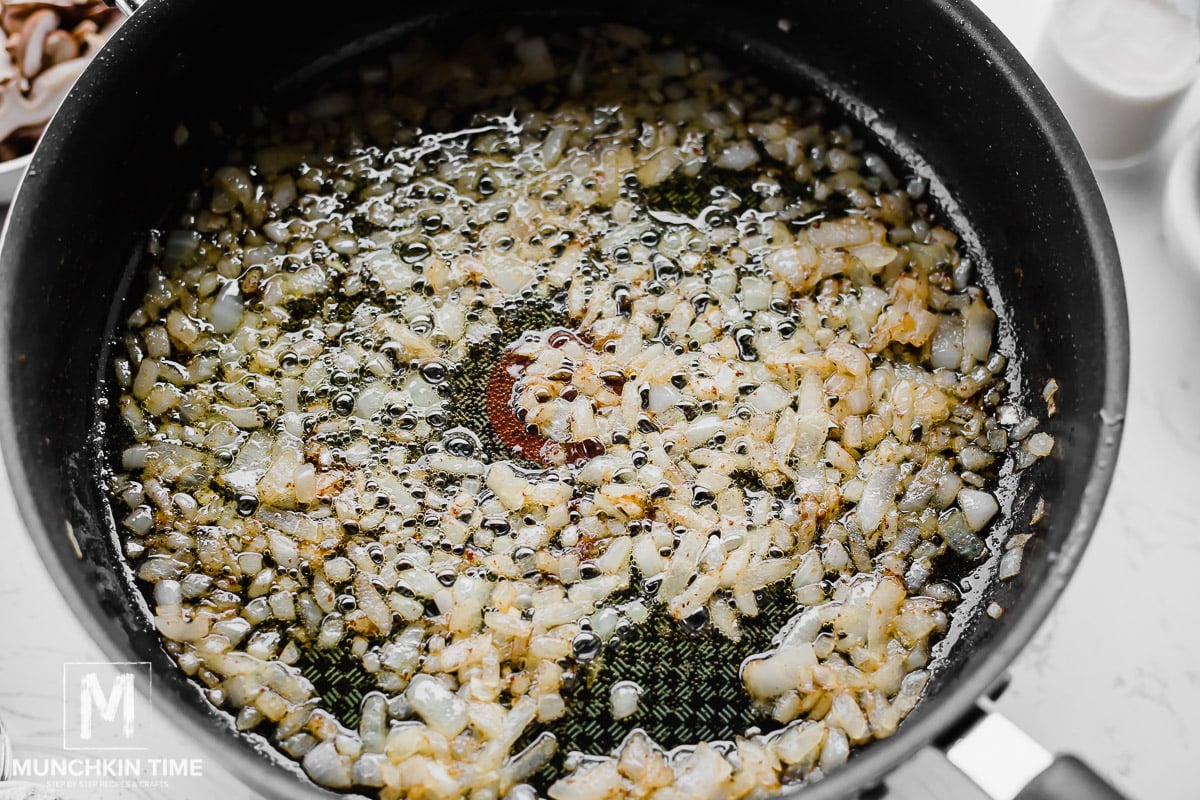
[
  {"x": 91, "y": 696},
  {"x": 100, "y": 705}
]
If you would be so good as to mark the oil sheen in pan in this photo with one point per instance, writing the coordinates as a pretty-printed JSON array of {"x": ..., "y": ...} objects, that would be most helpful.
[{"x": 482, "y": 369}]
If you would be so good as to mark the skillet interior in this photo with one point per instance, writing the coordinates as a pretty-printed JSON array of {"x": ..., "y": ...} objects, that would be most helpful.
[{"x": 927, "y": 84}]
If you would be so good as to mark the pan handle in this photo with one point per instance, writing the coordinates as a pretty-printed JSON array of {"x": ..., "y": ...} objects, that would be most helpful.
[
  {"x": 1069, "y": 777},
  {"x": 1007, "y": 764},
  {"x": 126, "y": 7}
]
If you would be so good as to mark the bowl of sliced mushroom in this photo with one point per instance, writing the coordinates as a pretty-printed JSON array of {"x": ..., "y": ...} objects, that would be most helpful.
[{"x": 46, "y": 45}]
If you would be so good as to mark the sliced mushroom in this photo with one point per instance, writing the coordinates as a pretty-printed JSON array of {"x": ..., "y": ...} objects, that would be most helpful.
[
  {"x": 44, "y": 46},
  {"x": 46, "y": 93},
  {"x": 40, "y": 25},
  {"x": 15, "y": 14},
  {"x": 8, "y": 70},
  {"x": 60, "y": 46},
  {"x": 94, "y": 40},
  {"x": 84, "y": 29},
  {"x": 11, "y": 43}
]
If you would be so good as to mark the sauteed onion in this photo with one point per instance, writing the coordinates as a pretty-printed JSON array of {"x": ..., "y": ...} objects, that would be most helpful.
[{"x": 461, "y": 372}]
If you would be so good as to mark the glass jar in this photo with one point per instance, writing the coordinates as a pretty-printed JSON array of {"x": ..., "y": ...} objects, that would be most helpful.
[
  {"x": 1119, "y": 69},
  {"x": 5, "y": 753}
]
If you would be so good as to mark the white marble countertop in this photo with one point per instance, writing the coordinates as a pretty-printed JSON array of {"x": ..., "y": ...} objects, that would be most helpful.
[{"x": 1128, "y": 710}]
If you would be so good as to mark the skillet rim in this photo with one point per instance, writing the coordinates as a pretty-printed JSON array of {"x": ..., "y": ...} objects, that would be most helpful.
[{"x": 870, "y": 765}]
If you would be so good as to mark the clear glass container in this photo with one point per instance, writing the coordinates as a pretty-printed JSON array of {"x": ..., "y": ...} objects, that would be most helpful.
[
  {"x": 1119, "y": 69},
  {"x": 5, "y": 753}
]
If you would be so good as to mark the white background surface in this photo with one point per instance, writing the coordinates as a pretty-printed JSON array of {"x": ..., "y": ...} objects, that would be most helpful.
[{"x": 1114, "y": 675}]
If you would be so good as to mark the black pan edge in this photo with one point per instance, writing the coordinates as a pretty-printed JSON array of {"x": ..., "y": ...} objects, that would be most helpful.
[{"x": 870, "y": 765}]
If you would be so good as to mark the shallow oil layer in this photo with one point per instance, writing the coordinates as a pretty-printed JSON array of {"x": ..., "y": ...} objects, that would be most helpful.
[{"x": 462, "y": 416}]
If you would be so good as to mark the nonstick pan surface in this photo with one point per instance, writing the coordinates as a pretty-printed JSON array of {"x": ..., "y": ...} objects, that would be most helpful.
[{"x": 931, "y": 80}]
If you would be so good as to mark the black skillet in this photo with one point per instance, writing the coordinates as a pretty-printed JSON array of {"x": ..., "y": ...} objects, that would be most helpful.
[{"x": 930, "y": 79}]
